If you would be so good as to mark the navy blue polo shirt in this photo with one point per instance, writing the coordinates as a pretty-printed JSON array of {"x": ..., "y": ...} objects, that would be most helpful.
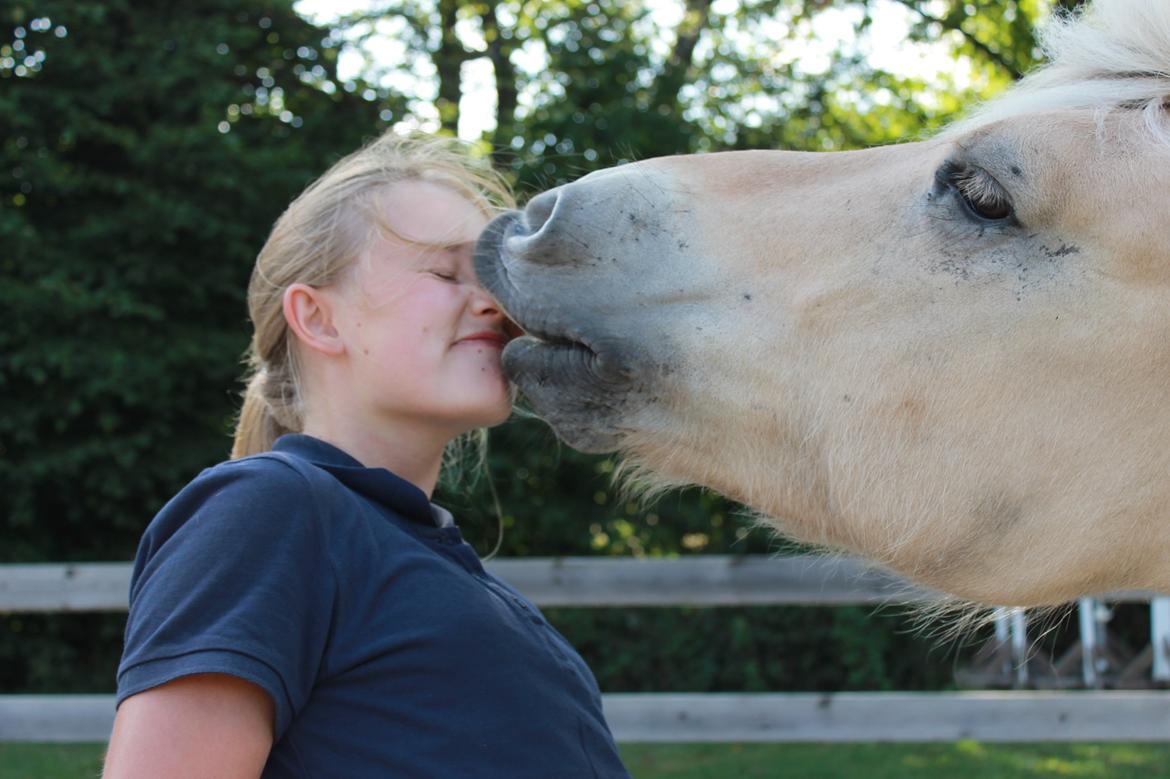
[{"x": 387, "y": 648}]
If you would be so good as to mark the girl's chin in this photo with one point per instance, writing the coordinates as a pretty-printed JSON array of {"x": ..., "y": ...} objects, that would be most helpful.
[
  {"x": 491, "y": 413},
  {"x": 501, "y": 412}
]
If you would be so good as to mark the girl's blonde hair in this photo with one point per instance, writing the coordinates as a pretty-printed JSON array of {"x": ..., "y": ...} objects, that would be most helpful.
[{"x": 332, "y": 223}]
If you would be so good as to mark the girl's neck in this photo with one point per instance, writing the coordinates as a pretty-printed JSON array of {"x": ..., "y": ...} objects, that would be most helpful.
[{"x": 414, "y": 453}]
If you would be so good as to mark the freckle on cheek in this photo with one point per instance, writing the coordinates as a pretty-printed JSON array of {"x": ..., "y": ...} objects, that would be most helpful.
[{"x": 366, "y": 352}]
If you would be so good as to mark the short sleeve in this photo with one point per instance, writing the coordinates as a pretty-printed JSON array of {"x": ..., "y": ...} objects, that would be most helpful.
[{"x": 233, "y": 576}]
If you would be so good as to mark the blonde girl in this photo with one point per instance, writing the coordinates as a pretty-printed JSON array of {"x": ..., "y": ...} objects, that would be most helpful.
[{"x": 303, "y": 609}]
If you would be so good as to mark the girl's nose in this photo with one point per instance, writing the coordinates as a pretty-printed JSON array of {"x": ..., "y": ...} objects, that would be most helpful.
[{"x": 483, "y": 304}]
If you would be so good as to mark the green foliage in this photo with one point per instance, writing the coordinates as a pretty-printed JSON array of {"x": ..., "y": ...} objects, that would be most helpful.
[
  {"x": 997, "y": 33},
  {"x": 146, "y": 151},
  {"x": 146, "y": 148},
  {"x": 597, "y": 102},
  {"x": 60, "y": 653},
  {"x": 752, "y": 649},
  {"x": 555, "y": 501}
]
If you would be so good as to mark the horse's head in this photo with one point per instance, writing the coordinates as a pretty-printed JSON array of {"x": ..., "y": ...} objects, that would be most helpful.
[{"x": 951, "y": 356}]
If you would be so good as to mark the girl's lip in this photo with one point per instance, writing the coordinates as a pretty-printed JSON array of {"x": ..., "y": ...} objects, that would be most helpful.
[{"x": 491, "y": 336}]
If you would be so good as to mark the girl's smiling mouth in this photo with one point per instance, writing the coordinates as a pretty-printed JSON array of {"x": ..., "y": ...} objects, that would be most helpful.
[
  {"x": 498, "y": 338},
  {"x": 491, "y": 337}
]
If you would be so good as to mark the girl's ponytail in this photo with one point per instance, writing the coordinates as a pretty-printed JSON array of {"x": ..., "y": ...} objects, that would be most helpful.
[{"x": 257, "y": 427}]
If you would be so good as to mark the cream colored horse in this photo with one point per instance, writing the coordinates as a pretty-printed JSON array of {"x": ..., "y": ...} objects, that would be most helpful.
[{"x": 951, "y": 356}]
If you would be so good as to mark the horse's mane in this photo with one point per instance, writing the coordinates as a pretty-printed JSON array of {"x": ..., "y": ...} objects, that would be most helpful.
[{"x": 1113, "y": 54}]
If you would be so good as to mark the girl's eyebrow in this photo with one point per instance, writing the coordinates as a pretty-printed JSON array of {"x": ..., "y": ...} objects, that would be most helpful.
[
  {"x": 455, "y": 246},
  {"x": 440, "y": 246},
  {"x": 454, "y": 251}
]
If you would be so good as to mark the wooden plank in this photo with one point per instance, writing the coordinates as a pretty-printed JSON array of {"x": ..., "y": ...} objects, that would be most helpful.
[
  {"x": 56, "y": 718},
  {"x": 705, "y": 580},
  {"x": 702, "y": 580},
  {"x": 65, "y": 587},
  {"x": 725, "y": 717},
  {"x": 891, "y": 717},
  {"x": 708, "y": 580}
]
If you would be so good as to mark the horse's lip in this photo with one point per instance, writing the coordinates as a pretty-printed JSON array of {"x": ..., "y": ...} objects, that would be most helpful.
[
  {"x": 547, "y": 338},
  {"x": 565, "y": 387}
]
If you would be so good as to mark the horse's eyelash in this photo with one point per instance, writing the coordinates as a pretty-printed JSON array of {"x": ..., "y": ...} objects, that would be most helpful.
[
  {"x": 978, "y": 185},
  {"x": 974, "y": 183}
]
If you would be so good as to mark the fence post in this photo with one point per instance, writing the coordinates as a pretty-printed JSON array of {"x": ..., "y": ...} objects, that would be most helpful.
[
  {"x": 1160, "y": 638},
  {"x": 1020, "y": 646}
]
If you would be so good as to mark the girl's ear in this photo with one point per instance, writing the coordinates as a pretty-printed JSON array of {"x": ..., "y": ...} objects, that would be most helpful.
[{"x": 309, "y": 314}]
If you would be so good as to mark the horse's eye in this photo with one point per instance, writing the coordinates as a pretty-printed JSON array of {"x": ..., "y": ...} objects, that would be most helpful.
[{"x": 983, "y": 197}]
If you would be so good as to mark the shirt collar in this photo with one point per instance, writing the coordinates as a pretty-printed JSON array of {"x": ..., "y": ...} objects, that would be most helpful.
[{"x": 377, "y": 484}]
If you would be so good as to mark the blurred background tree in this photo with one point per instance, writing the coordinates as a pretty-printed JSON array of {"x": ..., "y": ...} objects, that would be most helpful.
[{"x": 146, "y": 148}]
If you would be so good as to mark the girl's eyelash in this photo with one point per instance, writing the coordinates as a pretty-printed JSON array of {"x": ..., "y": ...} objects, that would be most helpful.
[{"x": 445, "y": 275}]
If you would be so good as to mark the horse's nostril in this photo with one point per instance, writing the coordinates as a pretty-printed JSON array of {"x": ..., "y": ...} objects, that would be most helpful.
[
  {"x": 539, "y": 210},
  {"x": 532, "y": 235}
]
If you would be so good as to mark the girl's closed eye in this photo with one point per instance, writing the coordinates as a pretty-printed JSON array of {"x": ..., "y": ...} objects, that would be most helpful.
[{"x": 444, "y": 274}]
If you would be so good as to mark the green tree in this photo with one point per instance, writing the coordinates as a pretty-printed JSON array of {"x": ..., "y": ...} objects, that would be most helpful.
[
  {"x": 581, "y": 84},
  {"x": 146, "y": 148}
]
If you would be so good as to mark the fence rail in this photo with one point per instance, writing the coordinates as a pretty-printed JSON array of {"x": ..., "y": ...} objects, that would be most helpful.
[
  {"x": 1013, "y": 716},
  {"x": 720, "y": 717},
  {"x": 704, "y": 581}
]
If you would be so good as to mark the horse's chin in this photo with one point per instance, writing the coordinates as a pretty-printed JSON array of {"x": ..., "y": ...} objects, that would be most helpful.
[{"x": 571, "y": 387}]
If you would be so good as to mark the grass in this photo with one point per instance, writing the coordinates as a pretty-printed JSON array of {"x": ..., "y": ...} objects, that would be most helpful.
[
  {"x": 51, "y": 761},
  {"x": 960, "y": 760}
]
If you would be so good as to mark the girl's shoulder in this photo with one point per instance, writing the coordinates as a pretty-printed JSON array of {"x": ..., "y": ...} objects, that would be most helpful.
[
  {"x": 268, "y": 476},
  {"x": 258, "y": 495},
  {"x": 260, "y": 477}
]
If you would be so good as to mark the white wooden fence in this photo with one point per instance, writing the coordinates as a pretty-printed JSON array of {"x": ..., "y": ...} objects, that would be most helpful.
[
  {"x": 701, "y": 580},
  {"x": 659, "y": 717},
  {"x": 671, "y": 717}
]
